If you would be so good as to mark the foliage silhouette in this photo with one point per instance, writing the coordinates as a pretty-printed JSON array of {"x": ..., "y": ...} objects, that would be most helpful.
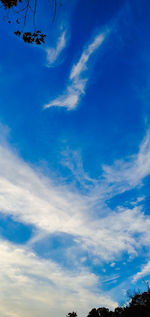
[
  {"x": 73, "y": 314},
  {"x": 21, "y": 9}
]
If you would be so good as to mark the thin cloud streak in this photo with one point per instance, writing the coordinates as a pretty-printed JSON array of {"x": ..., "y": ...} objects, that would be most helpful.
[
  {"x": 144, "y": 272},
  {"x": 77, "y": 83},
  {"x": 128, "y": 174},
  {"x": 82, "y": 64},
  {"x": 54, "y": 53}
]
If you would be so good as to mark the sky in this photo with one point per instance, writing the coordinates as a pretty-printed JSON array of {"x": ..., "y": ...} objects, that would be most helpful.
[{"x": 75, "y": 159}]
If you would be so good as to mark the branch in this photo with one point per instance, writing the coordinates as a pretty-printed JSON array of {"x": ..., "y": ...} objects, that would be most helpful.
[
  {"x": 34, "y": 12},
  {"x": 54, "y": 11}
]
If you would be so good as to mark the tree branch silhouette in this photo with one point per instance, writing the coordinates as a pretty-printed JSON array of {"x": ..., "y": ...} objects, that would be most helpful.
[{"x": 27, "y": 7}]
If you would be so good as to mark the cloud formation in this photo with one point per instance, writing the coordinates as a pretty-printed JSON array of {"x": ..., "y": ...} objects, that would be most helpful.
[
  {"x": 54, "y": 53},
  {"x": 129, "y": 173},
  {"x": 31, "y": 198},
  {"x": 144, "y": 272},
  {"x": 31, "y": 286},
  {"x": 77, "y": 81}
]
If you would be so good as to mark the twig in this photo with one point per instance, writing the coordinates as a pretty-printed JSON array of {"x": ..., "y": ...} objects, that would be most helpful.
[
  {"x": 34, "y": 12},
  {"x": 54, "y": 11},
  {"x": 25, "y": 17}
]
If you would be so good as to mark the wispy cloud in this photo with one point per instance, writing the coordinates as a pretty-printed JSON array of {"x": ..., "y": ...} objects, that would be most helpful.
[
  {"x": 32, "y": 198},
  {"x": 54, "y": 53},
  {"x": 82, "y": 63},
  {"x": 31, "y": 286},
  {"x": 72, "y": 160},
  {"x": 77, "y": 80},
  {"x": 144, "y": 272},
  {"x": 129, "y": 173}
]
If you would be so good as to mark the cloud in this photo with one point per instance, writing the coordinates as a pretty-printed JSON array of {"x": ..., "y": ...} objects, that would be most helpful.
[
  {"x": 81, "y": 65},
  {"x": 77, "y": 83},
  {"x": 112, "y": 264},
  {"x": 30, "y": 197},
  {"x": 31, "y": 286},
  {"x": 54, "y": 53},
  {"x": 130, "y": 173},
  {"x": 144, "y": 272},
  {"x": 72, "y": 160},
  {"x": 96, "y": 231}
]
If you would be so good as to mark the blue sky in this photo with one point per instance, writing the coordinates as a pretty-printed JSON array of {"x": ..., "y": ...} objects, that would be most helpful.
[{"x": 75, "y": 160}]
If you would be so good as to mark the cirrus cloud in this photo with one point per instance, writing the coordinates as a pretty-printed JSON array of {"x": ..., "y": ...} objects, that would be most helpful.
[{"x": 77, "y": 82}]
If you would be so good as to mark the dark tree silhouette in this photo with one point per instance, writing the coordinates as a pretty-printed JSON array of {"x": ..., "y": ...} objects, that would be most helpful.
[
  {"x": 139, "y": 306},
  {"x": 100, "y": 312},
  {"x": 93, "y": 313},
  {"x": 104, "y": 312},
  {"x": 118, "y": 312},
  {"x": 73, "y": 314},
  {"x": 21, "y": 10}
]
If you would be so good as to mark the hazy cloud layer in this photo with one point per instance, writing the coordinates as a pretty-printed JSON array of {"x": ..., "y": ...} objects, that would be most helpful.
[
  {"x": 31, "y": 198},
  {"x": 31, "y": 286}
]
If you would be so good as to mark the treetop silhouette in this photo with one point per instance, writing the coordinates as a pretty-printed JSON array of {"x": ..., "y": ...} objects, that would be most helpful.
[{"x": 139, "y": 306}]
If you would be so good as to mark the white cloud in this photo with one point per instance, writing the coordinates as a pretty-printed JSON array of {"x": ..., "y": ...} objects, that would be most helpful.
[
  {"x": 73, "y": 161},
  {"x": 76, "y": 87},
  {"x": 31, "y": 286},
  {"x": 54, "y": 53},
  {"x": 32, "y": 198},
  {"x": 130, "y": 173},
  {"x": 112, "y": 264},
  {"x": 144, "y": 272},
  {"x": 111, "y": 279},
  {"x": 81, "y": 65}
]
